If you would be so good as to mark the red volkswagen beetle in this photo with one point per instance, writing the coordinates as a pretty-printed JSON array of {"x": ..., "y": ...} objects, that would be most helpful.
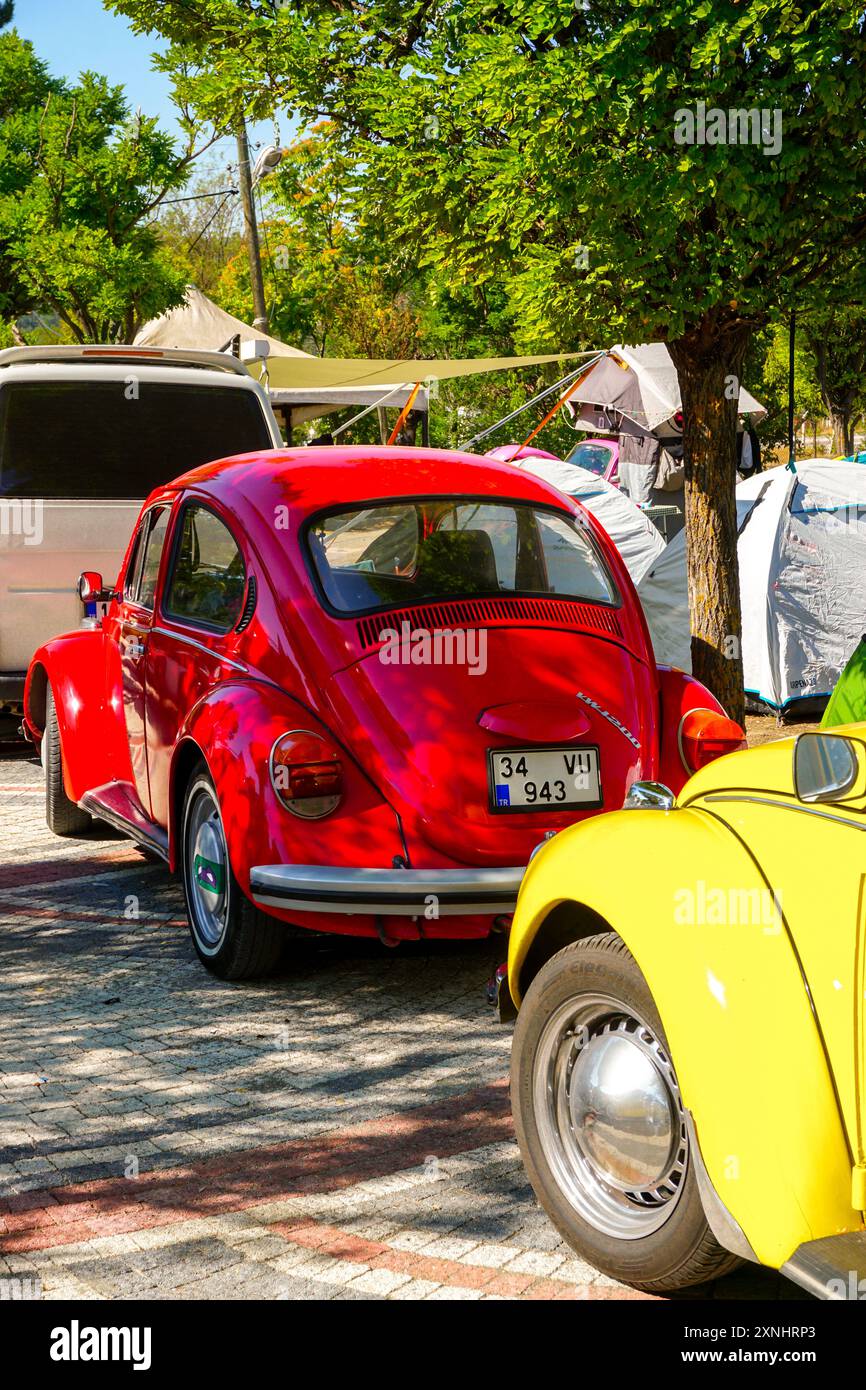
[{"x": 352, "y": 688}]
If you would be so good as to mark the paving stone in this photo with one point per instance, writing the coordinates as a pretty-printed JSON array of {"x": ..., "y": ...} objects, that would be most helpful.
[{"x": 115, "y": 1044}]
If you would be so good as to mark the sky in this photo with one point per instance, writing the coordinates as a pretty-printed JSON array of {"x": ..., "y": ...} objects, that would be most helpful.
[{"x": 73, "y": 35}]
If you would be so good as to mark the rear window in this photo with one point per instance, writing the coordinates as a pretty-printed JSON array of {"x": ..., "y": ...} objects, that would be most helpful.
[
  {"x": 87, "y": 439},
  {"x": 412, "y": 552}
]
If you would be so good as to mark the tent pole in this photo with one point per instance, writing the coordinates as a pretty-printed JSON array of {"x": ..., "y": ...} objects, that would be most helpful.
[{"x": 542, "y": 395}]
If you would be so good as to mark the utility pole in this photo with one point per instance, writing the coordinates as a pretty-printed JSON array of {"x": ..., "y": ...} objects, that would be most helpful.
[{"x": 246, "y": 186}]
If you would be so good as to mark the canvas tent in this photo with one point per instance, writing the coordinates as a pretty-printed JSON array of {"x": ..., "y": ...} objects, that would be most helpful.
[
  {"x": 802, "y": 553},
  {"x": 199, "y": 323},
  {"x": 636, "y": 389},
  {"x": 636, "y": 538}
]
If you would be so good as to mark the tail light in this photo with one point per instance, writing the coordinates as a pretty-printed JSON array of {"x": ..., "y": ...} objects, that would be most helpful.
[
  {"x": 705, "y": 735},
  {"x": 306, "y": 774}
]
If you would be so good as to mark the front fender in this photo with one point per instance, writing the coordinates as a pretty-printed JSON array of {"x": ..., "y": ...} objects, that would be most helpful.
[
  {"x": 749, "y": 1057},
  {"x": 90, "y": 737},
  {"x": 234, "y": 728}
]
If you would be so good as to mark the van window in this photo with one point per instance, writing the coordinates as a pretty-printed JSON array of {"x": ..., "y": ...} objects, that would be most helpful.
[
  {"x": 208, "y": 577},
  {"x": 87, "y": 439}
]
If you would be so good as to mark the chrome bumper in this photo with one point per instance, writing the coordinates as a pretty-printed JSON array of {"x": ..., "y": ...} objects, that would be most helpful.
[{"x": 386, "y": 892}]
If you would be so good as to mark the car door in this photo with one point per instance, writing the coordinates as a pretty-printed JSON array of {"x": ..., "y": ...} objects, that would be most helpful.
[
  {"x": 134, "y": 624},
  {"x": 202, "y": 600}
]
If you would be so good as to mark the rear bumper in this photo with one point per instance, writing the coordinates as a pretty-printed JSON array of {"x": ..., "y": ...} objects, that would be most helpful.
[{"x": 386, "y": 892}]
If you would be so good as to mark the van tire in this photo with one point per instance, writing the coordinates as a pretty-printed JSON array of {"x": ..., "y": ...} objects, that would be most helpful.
[{"x": 62, "y": 815}]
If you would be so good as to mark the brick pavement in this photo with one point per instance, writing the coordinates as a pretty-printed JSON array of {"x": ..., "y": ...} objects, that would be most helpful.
[{"x": 341, "y": 1131}]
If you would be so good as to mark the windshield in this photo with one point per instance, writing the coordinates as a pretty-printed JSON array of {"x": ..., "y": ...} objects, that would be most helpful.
[
  {"x": 593, "y": 457},
  {"x": 86, "y": 439},
  {"x": 410, "y": 552}
]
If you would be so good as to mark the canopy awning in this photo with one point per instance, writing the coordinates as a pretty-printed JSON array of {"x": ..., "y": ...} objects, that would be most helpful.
[{"x": 291, "y": 374}]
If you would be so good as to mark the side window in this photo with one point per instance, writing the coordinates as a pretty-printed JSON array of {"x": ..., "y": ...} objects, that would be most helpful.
[
  {"x": 208, "y": 578},
  {"x": 152, "y": 557},
  {"x": 130, "y": 583},
  {"x": 143, "y": 571}
]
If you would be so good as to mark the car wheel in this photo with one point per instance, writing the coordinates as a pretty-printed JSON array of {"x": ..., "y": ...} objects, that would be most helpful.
[
  {"x": 231, "y": 936},
  {"x": 62, "y": 815},
  {"x": 601, "y": 1123}
]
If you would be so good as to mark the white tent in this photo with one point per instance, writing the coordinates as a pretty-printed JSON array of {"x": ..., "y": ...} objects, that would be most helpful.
[
  {"x": 634, "y": 535},
  {"x": 636, "y": 387},
  {"x": 802, "y": 554}
]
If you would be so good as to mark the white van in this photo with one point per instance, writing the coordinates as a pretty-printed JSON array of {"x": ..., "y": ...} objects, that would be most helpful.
[{"x": 86, "y": 433}]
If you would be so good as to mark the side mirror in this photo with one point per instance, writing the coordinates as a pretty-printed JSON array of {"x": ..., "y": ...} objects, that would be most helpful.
[
  {"x": 91, "y": 588},
  {"x": 826, "y": 767}
]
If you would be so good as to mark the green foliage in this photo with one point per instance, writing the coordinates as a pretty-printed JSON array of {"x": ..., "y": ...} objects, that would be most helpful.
[
  {"x": 79, "y": 178},
  {"x": 766, "y": 374},
  {"x": 524, "y": 157},
  {"x": 500, "y": 140}
]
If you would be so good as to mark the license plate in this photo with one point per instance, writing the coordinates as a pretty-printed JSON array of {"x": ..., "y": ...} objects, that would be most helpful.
[{"x": 544, "y": 779}]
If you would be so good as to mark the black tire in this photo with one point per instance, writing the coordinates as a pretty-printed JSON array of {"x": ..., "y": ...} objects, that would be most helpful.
[
  {"x": 683, "y": 1251},
  {"x": 243, "y": 944},
  {"x": 62, "y": 815}
]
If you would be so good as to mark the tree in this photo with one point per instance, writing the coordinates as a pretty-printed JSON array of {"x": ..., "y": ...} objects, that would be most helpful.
[
  {"x": 25, "y": 88},
  {"x": 7, "y": 9},
  {"x": 837, "y": 338},
  {"x": 766, "y": 371},
  {"x": 588, "y": 155},
  {"x": 80, "y": 179}
]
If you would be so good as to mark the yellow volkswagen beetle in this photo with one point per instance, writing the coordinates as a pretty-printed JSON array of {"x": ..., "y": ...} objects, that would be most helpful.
[{"x": 688, "y": 1062}]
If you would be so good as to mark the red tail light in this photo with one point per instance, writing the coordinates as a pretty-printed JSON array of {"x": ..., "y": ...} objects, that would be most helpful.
[
  {"x": 705, "y": 735},
  {"x": 306, "y": 774}
]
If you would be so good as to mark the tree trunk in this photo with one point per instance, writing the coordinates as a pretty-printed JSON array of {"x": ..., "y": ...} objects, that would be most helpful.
[
  {"x": 709, "y": 360},
  {"x": 843, "y": 433}
]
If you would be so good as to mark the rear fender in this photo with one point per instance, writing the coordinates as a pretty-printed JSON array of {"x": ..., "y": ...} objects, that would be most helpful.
[
  {"x": 234, "y": 729},
  {"x": 736, "y": 1012},
  {"x": 678, "y": 693}
]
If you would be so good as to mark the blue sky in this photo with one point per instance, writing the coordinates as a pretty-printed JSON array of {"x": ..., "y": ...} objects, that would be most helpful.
[{"x": 72, "y": 35}]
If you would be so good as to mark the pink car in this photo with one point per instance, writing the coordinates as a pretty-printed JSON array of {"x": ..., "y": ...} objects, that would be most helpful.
[{"x": 599, "y": 456}]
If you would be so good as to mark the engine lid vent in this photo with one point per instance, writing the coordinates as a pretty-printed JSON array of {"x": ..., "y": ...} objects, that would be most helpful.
[{"x": 492, "y": 612}]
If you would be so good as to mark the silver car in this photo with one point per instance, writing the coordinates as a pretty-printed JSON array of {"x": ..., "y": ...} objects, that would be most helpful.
[{"x": 86, "y": 433}]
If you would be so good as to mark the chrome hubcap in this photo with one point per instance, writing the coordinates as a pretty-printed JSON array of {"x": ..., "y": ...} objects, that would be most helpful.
[
  {"x": 610, "y": 1118},
  {"x": 207, "y": 870}
]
